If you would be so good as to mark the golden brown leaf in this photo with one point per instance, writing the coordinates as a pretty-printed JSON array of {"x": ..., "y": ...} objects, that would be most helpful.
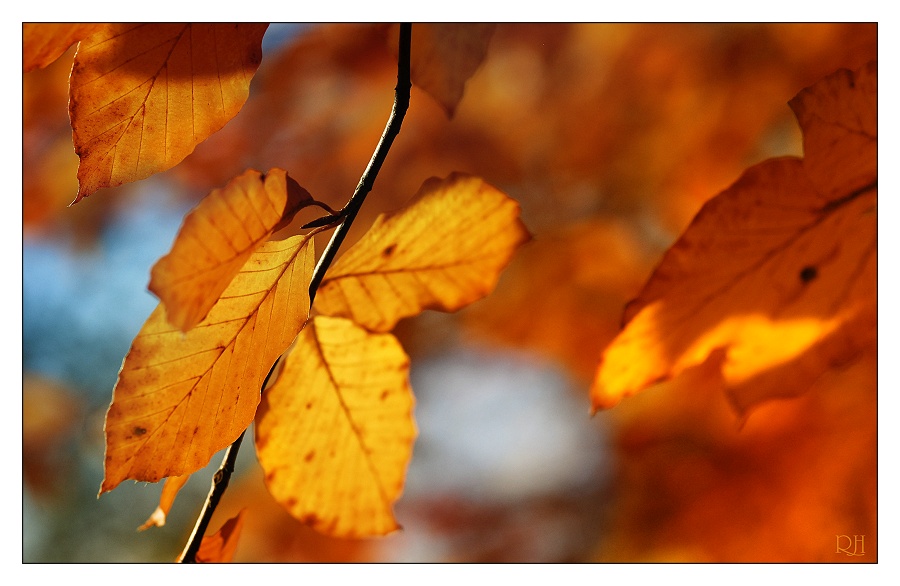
[
  {"x": 334, "y": 433},
  {"x": 44, "y": 43},
  {"x": 445, "y": 55},
  {"x": 779, "y": 270},
  {"x": 180, "y": 398},
  {"x": 170, "y": 490},
  {"x": 217, "y": 237},
  {"x": 142, "y": 96},
  {"x": 221, "y": 545},
  {"x": 443, "y": 251}
]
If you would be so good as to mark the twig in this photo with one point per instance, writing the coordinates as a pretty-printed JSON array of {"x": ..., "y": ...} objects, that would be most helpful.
[{"x": 348, "y": 214}]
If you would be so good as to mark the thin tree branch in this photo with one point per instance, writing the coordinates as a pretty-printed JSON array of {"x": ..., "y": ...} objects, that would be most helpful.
[{"x": 347, "y": 214}]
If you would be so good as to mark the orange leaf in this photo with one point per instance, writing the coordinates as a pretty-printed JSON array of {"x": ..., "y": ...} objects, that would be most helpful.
[
  {"x": 334, "y": 433},
  {"x": 221, "y": 545},
  {"x": 142, "y": 96},
  {"x": 170, "y": 490},
  {"x": 217, "y": 237},
  {"x": 44, "y": 43},
  {"x": 443, "y": 251},
  {"x": 445, "y": 55},
  {"x": 779, "y": 270},
  {"x": 180, "y": 398}
]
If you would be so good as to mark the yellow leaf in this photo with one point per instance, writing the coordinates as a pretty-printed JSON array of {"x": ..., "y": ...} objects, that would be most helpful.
[
  {"x": 221, "y": 545},
  {"x": 217, "y": 237},
  {"x": 779, "y": 270},
  {"x": 166, "y": 500},
  {"x": 334, "y": 433},
  {"x": 142, "y": 96},
  {"x": 180, "y": 398},
  {"x": 43, "y": 43},
  {"x": 443, "y": 251}
]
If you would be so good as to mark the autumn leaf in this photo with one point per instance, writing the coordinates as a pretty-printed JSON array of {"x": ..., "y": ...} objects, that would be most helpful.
[
  {"x": 142, "y": 96},
  {"x": 44, "y": 43},
  {"x": 217, "y": 237},
  {"x": 445, "y": 55},
  {"x": 180, "y": 397},
  {"x": 334, "y": 433},
  {"x": 443, "y": 251},
  {"x": 221, "y": 545},
  {"x": 166, "y": 499},
  {"x": 779, "y": 270}
]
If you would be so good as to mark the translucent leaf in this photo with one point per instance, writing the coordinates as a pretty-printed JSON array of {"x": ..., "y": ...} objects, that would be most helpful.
[
  {"x": 43, "y": 43},
  {"x": 778, "y": 271},
  {"x": 334, "y": 433},
  {"x": 443, "y": 251},
  {"x": 217, "y": 237},
  {"x": 142, "y": 96},
  {"x": 181, "y": 398},
  {"x": 221, "y": 545},
  {"x": 166, "y": 500}
]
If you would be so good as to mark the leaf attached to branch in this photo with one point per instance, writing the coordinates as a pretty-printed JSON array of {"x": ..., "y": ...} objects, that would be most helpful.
[
  {"x": 443, "y": 251},
  {"x": 334, "y": 433},
  {"x": 217, "y": 238},
  {"x": 181, "y": 398}
]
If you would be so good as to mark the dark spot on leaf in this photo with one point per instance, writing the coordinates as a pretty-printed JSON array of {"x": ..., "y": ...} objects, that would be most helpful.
[
  {"x": 309, "y": 405},
  {"x": 309, "y": 456},
  {"x": 290, "y": 502},
  {"x": 139, "y": 431},
  {"x": 808, "y": 273},
  {"x": 384, "y": 395},
  {"x": 309, "y": 519},
  {"x": 387, "y": 252}
]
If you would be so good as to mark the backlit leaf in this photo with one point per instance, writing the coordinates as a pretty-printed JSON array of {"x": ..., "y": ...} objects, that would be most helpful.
[
  {"x": 142, "y": 96},
  {"x": 779, "y": 270},
  {"x": 445, "y": 55},
  {"x": 334, "y": 433},
  {"x": 443, "y": 251},
  {"x": 221, "y": 545},
  {"x": 166, "y": 499},
  {"x": 217, "y": 237},
  {"x": 181, "y": 398},
  {"x": 43, "y": 43}
]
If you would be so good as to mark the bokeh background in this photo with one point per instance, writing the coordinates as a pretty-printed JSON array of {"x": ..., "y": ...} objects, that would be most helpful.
[{"x": 611, "y": 137}]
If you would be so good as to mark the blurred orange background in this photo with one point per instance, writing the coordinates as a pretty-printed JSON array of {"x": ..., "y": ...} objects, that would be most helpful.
[{"x": 611, "y": 136}]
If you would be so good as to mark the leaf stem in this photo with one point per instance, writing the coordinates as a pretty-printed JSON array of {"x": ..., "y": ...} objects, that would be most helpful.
[{"x": 348, "y": 214}]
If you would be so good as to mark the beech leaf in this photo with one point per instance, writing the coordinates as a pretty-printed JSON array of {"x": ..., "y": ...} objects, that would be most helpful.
[
  {"x": 142, "y": 96},
  {"x": 334, "y": 433},
  {"x": 445, "y": 55},
  {"x": 778, "y": 271},
  {"x": 442, "y": 251},
  {"x": 43, "y": 43},
  {"x": 217, "y": 237},
  {"x": 166, "y": 499},
  {"x": 221, "y": 545},
  {"x": 180, "y": 397}
]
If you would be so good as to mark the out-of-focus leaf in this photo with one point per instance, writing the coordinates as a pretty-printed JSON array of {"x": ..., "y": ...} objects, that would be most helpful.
[
  {"x": 142, "y": 96},
  {"x": 779, "y": 270},
  {"x": 221, "y": 545},
  {"x": 217, "y": 237},
  {"x": 445, "y": 55},
  {"x": 180, "y": 397},
  {"x": 334, "y": 433},
  {"x": 443, "y": 251},
  {"x": 44, "y": 43},
  {"x": 170, "y": 490}
]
